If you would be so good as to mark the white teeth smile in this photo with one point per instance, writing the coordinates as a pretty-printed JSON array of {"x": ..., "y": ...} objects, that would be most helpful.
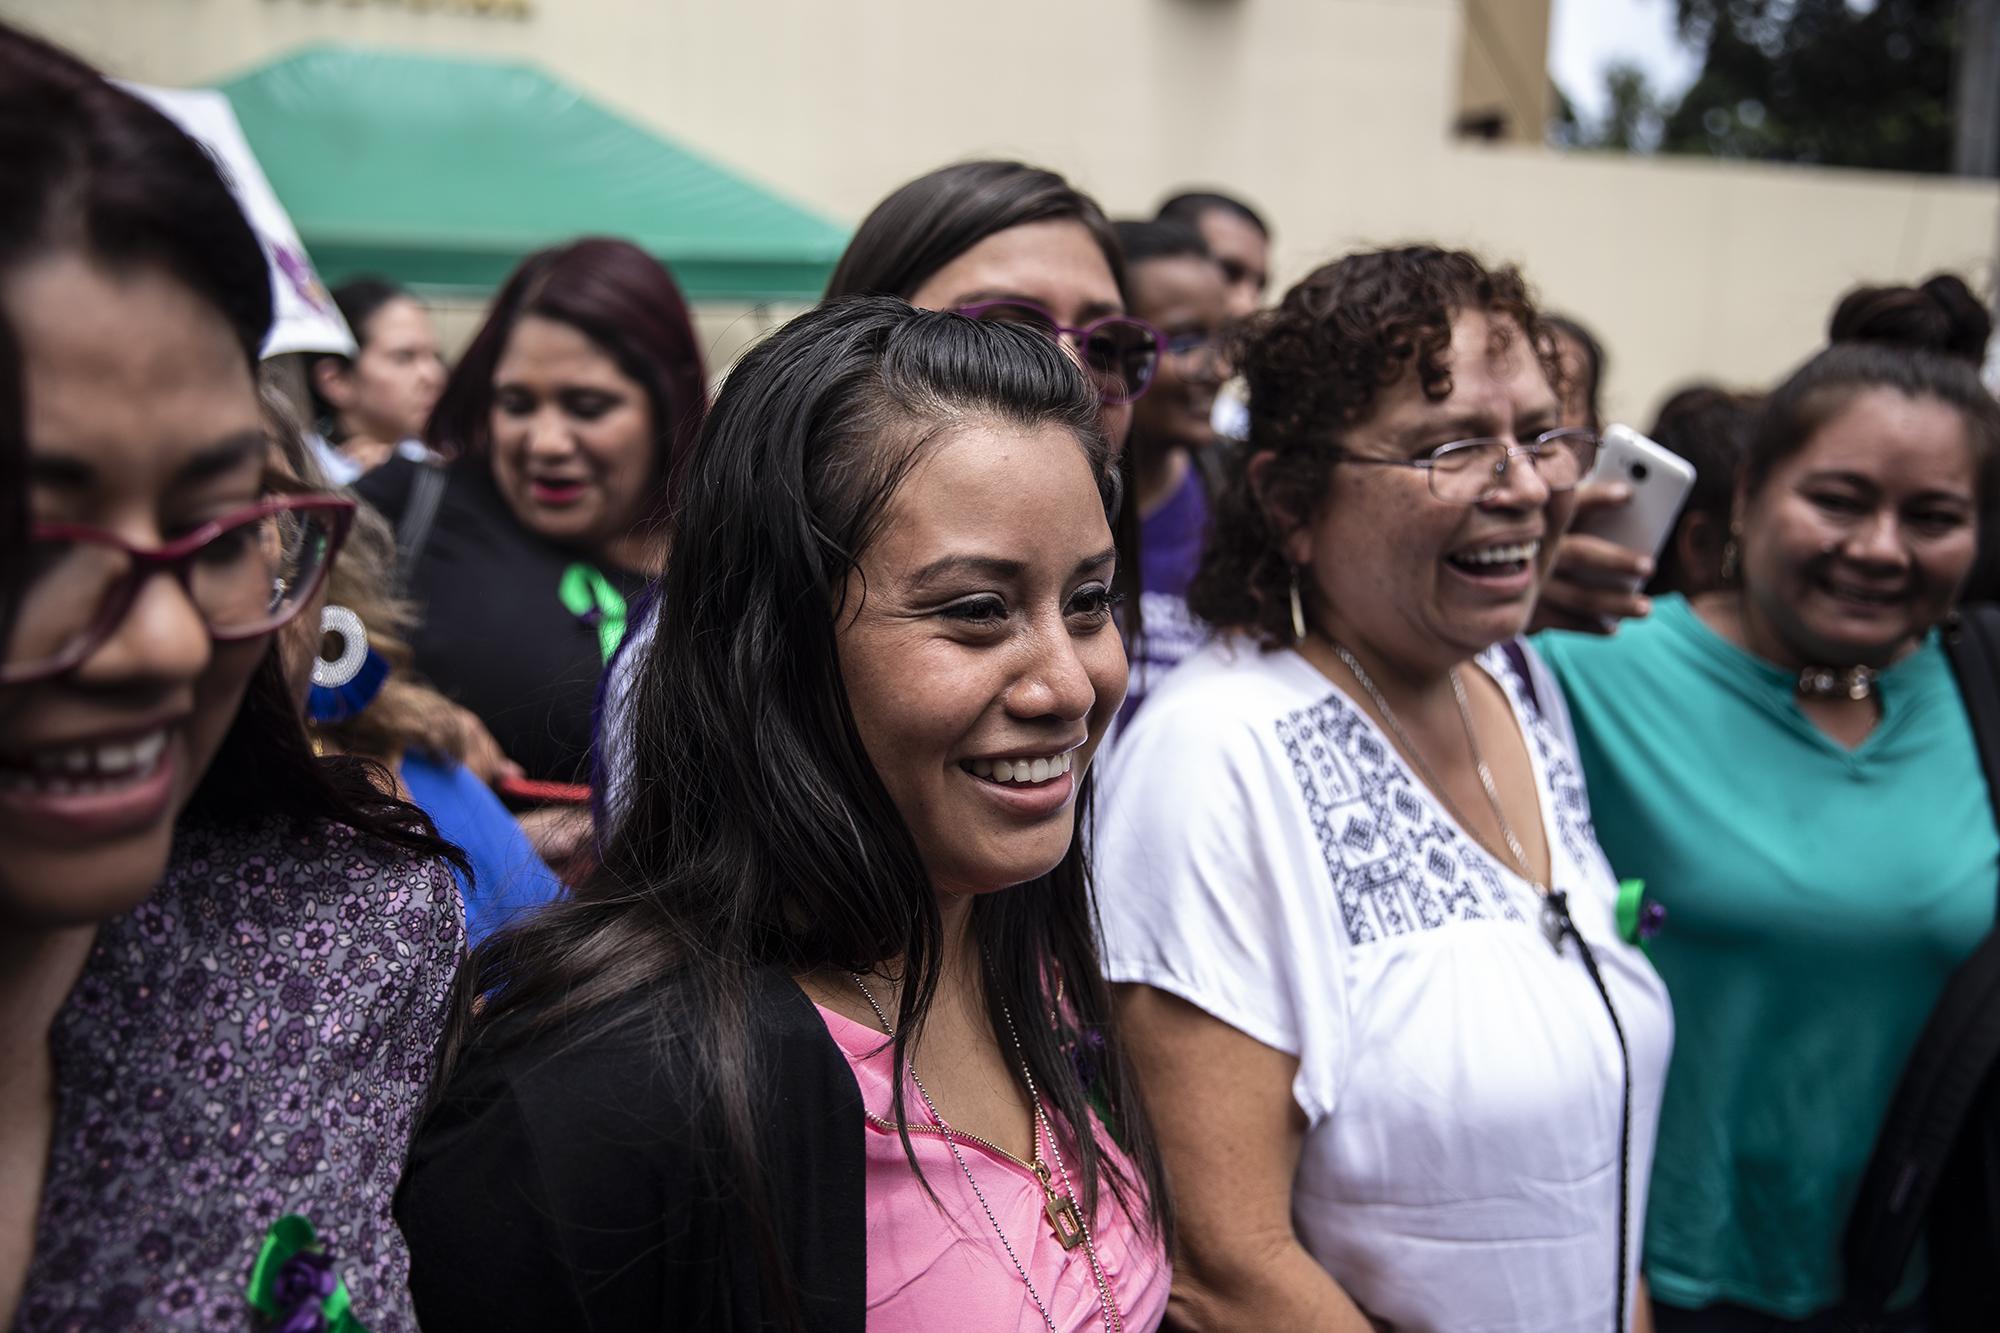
[
  {"x": 1517, "y": 554},
  {"x": 70, "y": 770},
  {"x": 1027, "y": 769}
]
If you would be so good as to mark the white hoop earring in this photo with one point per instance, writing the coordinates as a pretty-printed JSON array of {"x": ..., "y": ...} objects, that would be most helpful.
[
  {"x": 1298, "y": 610},
  {"x": 332, "y": 673}
]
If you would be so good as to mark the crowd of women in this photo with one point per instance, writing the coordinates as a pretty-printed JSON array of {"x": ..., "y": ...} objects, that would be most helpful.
[{"x": 849, "y": 947}]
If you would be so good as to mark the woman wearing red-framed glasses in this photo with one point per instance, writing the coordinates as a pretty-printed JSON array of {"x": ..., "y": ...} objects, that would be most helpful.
[{"x": 222, "y": 961}]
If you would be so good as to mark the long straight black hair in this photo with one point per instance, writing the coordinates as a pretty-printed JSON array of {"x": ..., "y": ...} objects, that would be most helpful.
[{"x": 758, "y": 832}]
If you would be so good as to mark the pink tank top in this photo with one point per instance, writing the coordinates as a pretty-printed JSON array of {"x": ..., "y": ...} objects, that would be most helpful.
[{"x": 929, "y": 1270}]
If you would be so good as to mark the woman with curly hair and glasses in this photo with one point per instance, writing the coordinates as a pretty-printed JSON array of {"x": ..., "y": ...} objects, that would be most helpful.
[
  {"x": 1403, "y": 1067},
  {"x": 223, "y": 962}
]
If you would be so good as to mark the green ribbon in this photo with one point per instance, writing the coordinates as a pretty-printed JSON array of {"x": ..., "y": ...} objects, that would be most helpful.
[
  {"x": 288, "y": 1237},
  {"x": 586, "y": 593},
  {"x": 1631, "y": 900}
]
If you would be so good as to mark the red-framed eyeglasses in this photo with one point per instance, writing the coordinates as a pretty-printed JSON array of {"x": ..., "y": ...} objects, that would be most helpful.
[{"x": 247, "y": 573}]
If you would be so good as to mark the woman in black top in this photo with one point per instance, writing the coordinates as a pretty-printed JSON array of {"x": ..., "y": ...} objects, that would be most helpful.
[
  {"x": 891, "y": 579},
  {"x": 563, "y": 420}
]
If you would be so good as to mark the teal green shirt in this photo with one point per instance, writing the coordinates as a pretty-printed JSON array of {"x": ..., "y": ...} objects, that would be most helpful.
[{"x": 1817, "y": 898}]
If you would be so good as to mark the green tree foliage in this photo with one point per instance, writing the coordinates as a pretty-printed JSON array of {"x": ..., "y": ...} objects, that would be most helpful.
[
  {"x": 1833, "y": 82},
  {"x": 1633, "y": 120}
]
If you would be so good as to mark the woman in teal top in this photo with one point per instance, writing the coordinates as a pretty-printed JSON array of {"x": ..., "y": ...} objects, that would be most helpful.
[{"x": 1789, "y": 767}]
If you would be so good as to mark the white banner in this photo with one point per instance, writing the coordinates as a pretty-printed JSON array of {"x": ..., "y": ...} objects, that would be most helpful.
[{"x": 306, "y": 318}]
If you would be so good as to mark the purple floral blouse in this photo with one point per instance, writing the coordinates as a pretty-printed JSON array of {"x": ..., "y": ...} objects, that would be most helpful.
[{"x": 254, "y": 1040}]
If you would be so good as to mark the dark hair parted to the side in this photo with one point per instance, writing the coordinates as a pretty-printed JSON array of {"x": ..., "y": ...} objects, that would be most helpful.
[
  {"x": 92, "y": 170},
  {"x": 759, "y": 833},
  {"x": 1142, "y": 241},
  {"x": 1188, "y": 207},
  {"x": 930, "y": 221},
  {"x": 620, "y": 298},
  {"x": 1921, "y": 342},
  {"x": 1316, "y": 366}
]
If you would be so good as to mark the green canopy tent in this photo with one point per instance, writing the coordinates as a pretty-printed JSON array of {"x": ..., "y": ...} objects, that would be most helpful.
[{"x": 446, "y": 172}]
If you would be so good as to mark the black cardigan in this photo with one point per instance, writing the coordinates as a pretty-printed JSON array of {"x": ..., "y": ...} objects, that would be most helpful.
[{"x": 563, "y": 1183}]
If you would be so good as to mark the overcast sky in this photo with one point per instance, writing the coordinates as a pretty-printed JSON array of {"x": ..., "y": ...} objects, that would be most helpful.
[{"x": 1587, "y": 35}]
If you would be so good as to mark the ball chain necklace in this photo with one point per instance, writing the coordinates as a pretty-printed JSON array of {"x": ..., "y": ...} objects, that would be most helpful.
[
  {"x": 1556, "y": 924},
  {"x": 1065, "y": 1218}
]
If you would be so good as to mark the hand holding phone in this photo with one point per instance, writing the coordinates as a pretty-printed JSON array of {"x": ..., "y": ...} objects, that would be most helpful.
[{"x": 1659, "y": 481}]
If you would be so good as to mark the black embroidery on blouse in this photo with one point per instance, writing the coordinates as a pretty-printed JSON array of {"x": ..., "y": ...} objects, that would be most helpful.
[{"x": 1397, "y": 865}]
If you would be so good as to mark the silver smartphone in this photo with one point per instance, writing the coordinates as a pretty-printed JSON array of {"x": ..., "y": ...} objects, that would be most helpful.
[{"x": 1660, "y": 482}]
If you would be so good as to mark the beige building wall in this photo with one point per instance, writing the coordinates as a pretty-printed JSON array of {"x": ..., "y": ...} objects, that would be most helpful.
[
  {"x": 1334, "y": 116},
  {"x": 1504, "y": 92}
]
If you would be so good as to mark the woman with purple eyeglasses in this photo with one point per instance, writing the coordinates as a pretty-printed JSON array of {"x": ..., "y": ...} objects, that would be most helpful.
[
  {"x": 1007, "y": 241},
  {"x": 222, "y": 961},
  {"x": 996, "y": 241}
]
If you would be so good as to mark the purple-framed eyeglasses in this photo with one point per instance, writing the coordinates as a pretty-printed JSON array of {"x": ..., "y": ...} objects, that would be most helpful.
[
  {"x": 1120, "y": 352},
  {"x": 247, "y": 572}
]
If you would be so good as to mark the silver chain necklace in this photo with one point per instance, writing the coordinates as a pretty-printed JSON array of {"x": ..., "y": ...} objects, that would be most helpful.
[
  {"x": 1059, "y": 1216},
  {"x": 1555, "y": 910}
]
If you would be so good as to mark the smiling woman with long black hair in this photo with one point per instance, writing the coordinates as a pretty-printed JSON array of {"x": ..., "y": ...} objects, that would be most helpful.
[
  {"x": 825, "y": 1041},
  {"x": 1001, "y": 242}
]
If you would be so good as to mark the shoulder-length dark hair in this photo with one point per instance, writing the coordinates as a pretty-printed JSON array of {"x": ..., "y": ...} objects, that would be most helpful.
[
  {"x": 627, "y": 304},
  {"x": 742, "y": 711},
  {"x": 1317, "y": 366},
  {"x": 93, "y": 170}
]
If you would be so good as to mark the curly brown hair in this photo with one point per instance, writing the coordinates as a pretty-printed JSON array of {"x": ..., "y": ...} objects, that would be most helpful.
[{"x": 1316, "y": 367}]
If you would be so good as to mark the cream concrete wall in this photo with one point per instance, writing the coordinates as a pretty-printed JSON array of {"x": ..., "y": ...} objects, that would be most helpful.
[
  {"x": 1503, "y": 66},
  {"x": 1333, "y": 115}
]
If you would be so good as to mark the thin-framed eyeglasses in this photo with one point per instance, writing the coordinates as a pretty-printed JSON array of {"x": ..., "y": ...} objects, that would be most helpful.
[
  {"x": 1121, "y": 353},
  {"x": 1471, "y": 471},
  {"x": 247, "y": 572}
]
